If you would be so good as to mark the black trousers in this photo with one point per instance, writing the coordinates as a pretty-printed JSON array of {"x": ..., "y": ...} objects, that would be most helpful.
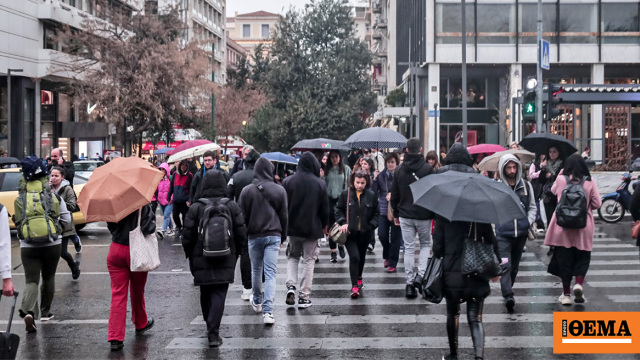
[
  {"x": 179, "y": 209},
  {"x": 474, "y": 318},
  {"x": 511, "y": 249},
  {"x": 549, "y": 208},
  {"x": 212, "y": 298},
  {"x": 245, "y": 268},
  {"x": 64, "y": 254},
  {"x": 357, "y": 243}
]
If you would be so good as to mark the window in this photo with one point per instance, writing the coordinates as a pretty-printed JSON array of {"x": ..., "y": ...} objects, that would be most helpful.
[
  {"x": 11, "y": 181},
  {"x": 448, "y": 24},
  {"x": 29, "y": 121},
  {"x": 451, "y": 93},
  {"x": 496, "y": 23},
  {"x": 49, "y": 35},
  {"x": 265, "y": 31},
  {"x": 578, "y": 23},
  {"x": 246, "y": 31},
  {"x": 620, "y": 23},
  {"x": 528, "y": 23}
]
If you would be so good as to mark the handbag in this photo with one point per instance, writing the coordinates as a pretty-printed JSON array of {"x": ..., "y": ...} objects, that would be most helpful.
[
  {"x": 432, "y": 284},
  {"x": 338, "y": 237},
  {"x": 143, "y": 249},
  {"x": 389, "y": 209},
  {"x": 635, "y": 230},
  {"x": 478, "y": 258}
]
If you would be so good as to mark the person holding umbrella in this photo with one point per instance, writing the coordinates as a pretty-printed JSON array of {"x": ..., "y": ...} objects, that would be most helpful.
[
  {"x": 551, "y": 168},
  {"x": 337, "y": 177},
  {"x": 388, "y": 232}
]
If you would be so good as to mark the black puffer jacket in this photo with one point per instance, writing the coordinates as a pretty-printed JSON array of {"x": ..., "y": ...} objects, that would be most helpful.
[
  {"x": 412, "y": 169},
  {"x": 365, "y": 212},
  {"x": 308, "y": 200},
  {"x": 243, "y": 177},
  {"x": 207, "y": 270},
  {"x": 120, "y": 230},
  {"x": 458, "y": 159}
]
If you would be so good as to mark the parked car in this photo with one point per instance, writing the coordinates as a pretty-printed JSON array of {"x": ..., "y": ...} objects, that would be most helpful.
[{"x": 85, "y": 168}]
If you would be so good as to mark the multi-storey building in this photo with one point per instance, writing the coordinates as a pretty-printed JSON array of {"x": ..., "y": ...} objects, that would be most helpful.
[
  {"x": 235, "y": 52},
  {"x": 252, "y": 29}
]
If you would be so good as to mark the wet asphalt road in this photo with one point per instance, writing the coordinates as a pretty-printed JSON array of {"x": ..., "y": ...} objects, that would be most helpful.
[{"x": 381, "y": 324}]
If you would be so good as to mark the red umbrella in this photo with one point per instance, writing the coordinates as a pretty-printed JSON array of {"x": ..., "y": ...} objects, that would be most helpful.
[
  {"x": 188, "y": 145},
  {"x": 488, "y": 149}
]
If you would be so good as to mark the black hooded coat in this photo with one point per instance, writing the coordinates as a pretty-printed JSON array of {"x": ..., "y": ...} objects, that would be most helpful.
[
  {"x": 264, "y": 204},
  {"x": 411, "y": 170},
  {"x": 308, "y": 202},
  {"x": 208, "y": 270},
  {"x": 244, "y": 177}
]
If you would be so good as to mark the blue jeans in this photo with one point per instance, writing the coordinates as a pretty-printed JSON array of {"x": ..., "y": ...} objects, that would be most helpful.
[
  {"x": 263, "y": 252},
  {"x": 166, "y": 211}
]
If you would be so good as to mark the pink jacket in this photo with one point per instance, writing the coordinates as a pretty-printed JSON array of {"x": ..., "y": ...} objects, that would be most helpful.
[
  {"x": 163, "y": 186},
  {"x": 582, "y": 239}
]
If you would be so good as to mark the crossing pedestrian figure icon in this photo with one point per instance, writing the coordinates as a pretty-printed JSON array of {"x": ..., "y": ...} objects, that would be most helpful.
[{"x": 543, "y": 55}]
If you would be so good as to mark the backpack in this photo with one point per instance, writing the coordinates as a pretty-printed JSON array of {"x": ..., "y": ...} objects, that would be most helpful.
[
  {"x": 571, "y": 212},
  {"x": 37, "y": 211},
  {"x": 214, "y": 229}
]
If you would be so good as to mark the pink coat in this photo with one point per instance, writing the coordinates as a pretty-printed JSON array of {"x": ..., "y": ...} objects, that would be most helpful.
[
  {"x": 163, "y": 187},
  {"x": 581, "y": 239}
]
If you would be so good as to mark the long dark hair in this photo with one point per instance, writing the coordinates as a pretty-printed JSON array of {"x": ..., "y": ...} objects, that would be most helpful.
[
  {"x": 576, "y": 166},
  {"x": 340, "y": 164}
]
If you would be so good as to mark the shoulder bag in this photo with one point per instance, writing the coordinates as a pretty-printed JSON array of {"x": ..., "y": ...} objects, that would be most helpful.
[
  {"x": 635, "y": 231},
  {"x": 338, "y": 237},
  {"x": 478, "y": 258},
  {"x": 143, "y": 249}
]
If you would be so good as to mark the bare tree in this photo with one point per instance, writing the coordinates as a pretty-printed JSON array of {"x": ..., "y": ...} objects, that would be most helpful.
[{"x": 235, "y": 107}]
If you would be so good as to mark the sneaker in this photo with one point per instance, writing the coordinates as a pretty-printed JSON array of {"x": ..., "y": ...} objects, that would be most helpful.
[
  {"x": 355, "y": 292},
  {"x": 386, "y": 263},
  {"x": 510, "y": 303},
  {"x": 410, "y": 292},
  {"x": 268, "y": 318},
  {"x": 304, "y": 303},
  {"x": 450, "y": 357},
  {"x": 256, "y": 307},
  {"x": 565, "y": 299},
  {"x": 317, "y": 260},
  {"x": 30, "y": 323},
  {"x": 168, "y": 232},
  {"x": 246, "y": 294},
  {"x": 150, "y": 323},
  {"x": 291, "y": 295},
  {"x": 334, "y": 257},
  {"x": 578, "y": 293},
  {"x": 341, "y": 251},
  {"x": 392, "y": 269},
  {"x": 360, "y": 285},
  {"x": 160, "y": 234},
  {"x": 78, "y": 245},
  {"x": 215, "y": 342},
  {"x": 116, "y": 345},
  {"x": 370, "y": 248},
  {"x": 47, "y": 317},
  {"x": 75, "y": 272}
]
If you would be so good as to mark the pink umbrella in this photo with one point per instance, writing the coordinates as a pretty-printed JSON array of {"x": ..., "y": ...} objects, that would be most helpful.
[
  {"x": 188, "y": 145},
  {"x": 488, "y": 149}
]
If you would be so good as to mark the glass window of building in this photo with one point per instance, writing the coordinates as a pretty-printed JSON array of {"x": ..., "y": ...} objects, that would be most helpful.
[
  {"x": 246, "y": 30},
  {"x": 578, "y": 23},
  {"x": 475, "y": 97},
  {"x": 496, "y": 23},
  {"x": 620, "y": 23},
  {"x": 265, "y": 30},
  {"x": 528, "y": 23},
  {"x": 448, "y": 24},
  {"x": 29, "y": 121}
]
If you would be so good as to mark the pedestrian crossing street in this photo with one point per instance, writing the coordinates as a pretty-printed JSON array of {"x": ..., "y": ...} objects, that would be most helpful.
[{"x": 382, "y": 322}]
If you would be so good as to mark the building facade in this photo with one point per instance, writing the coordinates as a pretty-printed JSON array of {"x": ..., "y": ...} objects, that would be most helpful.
[
  {"x": 252, "y": 29},
  {"x": 235, "y": 52}
]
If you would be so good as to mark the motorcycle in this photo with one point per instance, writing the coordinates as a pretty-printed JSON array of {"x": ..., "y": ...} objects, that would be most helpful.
[{"x": 615, "y": 204}]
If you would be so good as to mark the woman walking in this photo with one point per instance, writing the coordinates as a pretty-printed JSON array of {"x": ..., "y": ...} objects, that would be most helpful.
[
  {"x": 389, "y": 233},
  {"x": 337, "y": 176},
  {"x": 166, "y": 203},
  {"x": 361, "y": 204},
  {"x": 62, "y": 187},
  {"x": 551, "y": 167},
  {"x": 572, "y": 247},
  {"x": 179, "y": 189},
  {"x": 432, "y": 159}
]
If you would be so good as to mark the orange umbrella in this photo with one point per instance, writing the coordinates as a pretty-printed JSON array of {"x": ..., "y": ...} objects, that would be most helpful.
[{"x": 118, "y": 188}]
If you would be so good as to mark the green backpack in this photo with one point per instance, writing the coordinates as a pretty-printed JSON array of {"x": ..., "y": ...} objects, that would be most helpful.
[{"x": 36, "y": 211}]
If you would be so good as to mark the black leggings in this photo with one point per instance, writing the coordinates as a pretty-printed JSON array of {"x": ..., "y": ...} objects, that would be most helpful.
[
  {"x": 474, "y": 318},
  {"x": 549, "y": 208},
  {"x": 356, "y": 245},
  {"x": 64, "y": 254},
  {"x": 179, "y": 209}
]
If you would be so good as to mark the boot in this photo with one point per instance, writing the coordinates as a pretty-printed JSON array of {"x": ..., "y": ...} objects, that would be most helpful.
[
  {"x": 452, "y": 334},
  {"x": 477, "y": 335}
]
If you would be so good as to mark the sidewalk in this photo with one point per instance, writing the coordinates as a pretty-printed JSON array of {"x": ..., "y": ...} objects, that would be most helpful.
[{"x": 607, "y": 181}]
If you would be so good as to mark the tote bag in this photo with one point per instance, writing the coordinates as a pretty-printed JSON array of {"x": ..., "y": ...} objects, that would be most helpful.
[{"x": 143, "y": 249}]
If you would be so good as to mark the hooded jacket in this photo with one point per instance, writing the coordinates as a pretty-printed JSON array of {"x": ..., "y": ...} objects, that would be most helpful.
[
  {"x": 264, "y": 204},
  {"x": 458, "y": 159},
  {"x": 164, "y": 185},
  {"x": 243, "y": 177},
  {"x": 308, "y": 202},
  {"x": 180, "y": 184},
  {"x": 411, "y": 170},
  {"x": 208, "y": 270},
  {"x": 195, "y": 191},
  {"x": 524, "y": 190},
  {"x": 69, "y": 197}
]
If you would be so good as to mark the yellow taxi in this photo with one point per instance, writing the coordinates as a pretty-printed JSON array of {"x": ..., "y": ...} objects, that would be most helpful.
[{"x": 9, "y": 183}]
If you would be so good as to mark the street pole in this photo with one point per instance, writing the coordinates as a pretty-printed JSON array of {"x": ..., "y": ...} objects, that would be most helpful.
[
  {"x": 411, "y": 131},
  {"x": 464, "y": 74},
  {"x": 539, "y": 73},
  {"x": 9, "y": 71},
  {"x": 213, "y": 96}
]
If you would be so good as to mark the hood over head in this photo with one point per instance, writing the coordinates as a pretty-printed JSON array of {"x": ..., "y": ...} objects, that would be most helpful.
[
  {"x": 263, "y": 171},
  {"x": 413, "y": 161},
  {"x": 179, "y": 169},
  {"x": 503, "y": 162},
  {"x": 214, "y": 184},
  {"x": 166, "y": 168},
  {"x": 251, "y": 158},
  {"x": 458, "y": 154},
  {"x": 309, "y": 164}
]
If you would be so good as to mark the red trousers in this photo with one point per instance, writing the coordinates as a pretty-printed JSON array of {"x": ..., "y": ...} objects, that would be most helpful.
[{"x": 122, "y": 278}]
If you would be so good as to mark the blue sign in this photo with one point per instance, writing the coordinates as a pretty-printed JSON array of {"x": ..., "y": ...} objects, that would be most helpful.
[
  {"x": 432, "y": 113},
  {"x": 543, "y": 54}
]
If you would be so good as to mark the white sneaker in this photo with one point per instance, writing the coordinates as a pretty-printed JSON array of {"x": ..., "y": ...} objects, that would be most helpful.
[
  {"x": 565, "y": 299},
  {"x": 268, "y": 318},
  {"x": 578, "y": 293},
  {"x": 246, "y": 294},
  {"x": 256, "y": 307}
]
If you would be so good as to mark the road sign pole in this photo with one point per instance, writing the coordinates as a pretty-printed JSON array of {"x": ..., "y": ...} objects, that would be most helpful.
[{"x": 539, "y": 72}]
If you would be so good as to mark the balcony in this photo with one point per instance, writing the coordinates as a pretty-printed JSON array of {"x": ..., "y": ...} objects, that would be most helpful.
[
  {"x": 376, "y": 7},
  {"x": 380, "y": 24},
  {"x": 376, "y": 34}
]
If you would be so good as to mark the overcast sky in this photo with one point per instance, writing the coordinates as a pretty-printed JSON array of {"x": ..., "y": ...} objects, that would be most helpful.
[{"x": 274, "y": 6}]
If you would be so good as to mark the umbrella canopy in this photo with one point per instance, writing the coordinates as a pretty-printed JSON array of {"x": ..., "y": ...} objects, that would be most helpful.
[
  {"x": 488, "y": 149},
  {"x": 319, "y": 144},
  {"x": 470, "y": 197},
  {"x": 188, "y": 145},
  {"x": 376, "y": 138},
  {"x": 118, "y": 188},
  {"x": 490, "y": 163},
  {"x": 193, "y": 152},
  {"x": 540, "y": 144},
  {"x": 162, "y": 151},
  {"x": 8, "y": 160},
  {"x": 280, "y": 157}
]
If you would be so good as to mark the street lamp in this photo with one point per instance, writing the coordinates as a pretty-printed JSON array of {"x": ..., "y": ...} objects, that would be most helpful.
[{"x": 9, "y": 71}]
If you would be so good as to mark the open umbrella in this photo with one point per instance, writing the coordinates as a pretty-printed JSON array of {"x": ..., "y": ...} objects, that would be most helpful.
[
  {"x": 540, "y": 144},
  {"x": 118, "y": 188},
  {"x": 280, "y": 158},
  {"x": 490, "y": 163},
  {"x": 376, "y": 138},
  {"x": 458, "y": 196},
  {"x": 8, "y": 160},
  {"x": 188, "y": 145},
  {"x": 162, "y": 151},
  {"x": 488, "y": 149},
  {"x": 319, "y": 144},
  {"x": 193, "y": 152}
]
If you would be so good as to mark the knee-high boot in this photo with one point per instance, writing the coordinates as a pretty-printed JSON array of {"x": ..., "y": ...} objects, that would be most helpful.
[
  {"x": 453, "y": 319},
  {"x": 474, "y": 317}
]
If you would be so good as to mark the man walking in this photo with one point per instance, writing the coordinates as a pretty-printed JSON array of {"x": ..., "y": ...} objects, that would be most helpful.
[
  {"x": 512, "y": 236},
  {"x": 240, "y": 163},
  {"x": 210, "y": 160},
  {"x": 57, "y": 158},
  {"x": 412, "y": 218},
  {"x": 264, "y": 205},
  {"x": 308, "y": 205}
]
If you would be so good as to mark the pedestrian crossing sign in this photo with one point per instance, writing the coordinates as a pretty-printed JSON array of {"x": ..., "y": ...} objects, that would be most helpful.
[{"x": 543, "y": 54}]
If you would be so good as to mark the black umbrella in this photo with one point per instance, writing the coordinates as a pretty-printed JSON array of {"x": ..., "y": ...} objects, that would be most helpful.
[
  {"x": 540, "y": 144},
  {"x": 376, "y": 138},
  {"x": 458, "y": 196},
  {"x": 8, "y": 160},
  {"x": 319, "y": 144}
]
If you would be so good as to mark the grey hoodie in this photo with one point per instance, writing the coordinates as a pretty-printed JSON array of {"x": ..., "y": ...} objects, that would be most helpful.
[{"x": 524, "y": 190}]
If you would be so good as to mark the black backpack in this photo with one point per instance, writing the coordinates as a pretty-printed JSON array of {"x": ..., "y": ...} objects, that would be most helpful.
[
  {"x": 571, "y": 212},
  {"x": 214, "y": 229}
]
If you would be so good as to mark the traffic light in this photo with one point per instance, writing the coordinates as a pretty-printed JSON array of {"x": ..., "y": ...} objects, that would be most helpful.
[
  {"x": 553, "y": 101},
  {"x": 529, "y": 101}
]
